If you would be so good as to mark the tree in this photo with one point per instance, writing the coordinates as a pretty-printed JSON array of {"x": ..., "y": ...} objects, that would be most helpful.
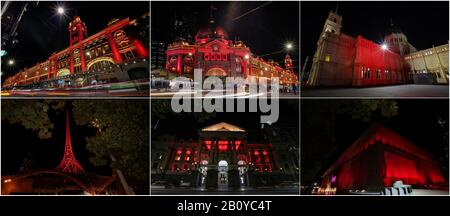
[
  {"x": 32, "y": 114},
  {"x": 123, "y": 133}
]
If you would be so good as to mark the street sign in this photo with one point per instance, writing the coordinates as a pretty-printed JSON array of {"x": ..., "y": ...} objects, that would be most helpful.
[{"x": 3, "y": 53}]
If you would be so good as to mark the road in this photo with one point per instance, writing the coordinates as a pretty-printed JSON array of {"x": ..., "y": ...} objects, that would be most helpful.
[
  {"x": 400, "y": 91},
  {"x": 252, "y": 191},
  {"x": 75, "y": 93},
  {"x": 217, "y": 94}
]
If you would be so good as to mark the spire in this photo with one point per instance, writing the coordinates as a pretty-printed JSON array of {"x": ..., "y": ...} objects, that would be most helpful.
[
  {"x": 393, "y": 28},
  {"x": 337, "y": 7},
  {"x": 69, "y": 163},
  {"x": 211, "y": 15}
]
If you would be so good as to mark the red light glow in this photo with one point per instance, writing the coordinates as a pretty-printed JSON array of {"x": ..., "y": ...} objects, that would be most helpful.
[
  {"x": 223, "y": 145},
  {"x": 208, "y": 144}
]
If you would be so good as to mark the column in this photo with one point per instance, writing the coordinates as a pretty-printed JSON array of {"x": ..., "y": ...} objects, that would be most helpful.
[
  {"x": 143, "y": 53},
  {"x": 244, "y": 68},
  {"x": 54, "y": 67},
  {"x": 71, "y": 62},
  {"x": 167, "y": 62},
  {"x": 49, "y": 69},
  {"x": 115, "y": 51},
  {"x": 233, "y": 149},
  {"x": 179, "y": 64},
  {"x": 441, "y": 68},
  {"x": 199, "y": 151},
  {"x": 83, "y": 61}
]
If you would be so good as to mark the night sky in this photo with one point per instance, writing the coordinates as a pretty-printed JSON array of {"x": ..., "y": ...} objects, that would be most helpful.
[
  {"x": 21, "y": 143},
  {"x": 42, "y": 32},
  {"x": 424, "y": 23},
  {"x": 416, "y": 121},
  {"x": 264, "y": 30},
  {"x": 184, "y": 127}
]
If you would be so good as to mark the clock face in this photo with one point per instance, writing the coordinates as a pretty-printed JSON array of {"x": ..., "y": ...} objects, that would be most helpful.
[{"x": 215, "y": 47}]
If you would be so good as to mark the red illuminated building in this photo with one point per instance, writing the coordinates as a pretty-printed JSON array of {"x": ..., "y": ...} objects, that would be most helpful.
[
  {"x": 379, "y": 158},
  {"x": 217, "y": 56},
  {"x": 223, "y": 159},
  {"x": 68, "y": 178},
  {"x": 341, "y": 60},
  {"x": 111, "y": 55}
]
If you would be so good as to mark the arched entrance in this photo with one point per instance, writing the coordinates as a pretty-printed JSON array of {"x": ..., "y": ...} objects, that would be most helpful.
[
  {"x": 101, "y": 63},
  {"x": 222, "y": 181},
  {"x": 215, "y": 71},
  {"x": 63, "y": 72}
]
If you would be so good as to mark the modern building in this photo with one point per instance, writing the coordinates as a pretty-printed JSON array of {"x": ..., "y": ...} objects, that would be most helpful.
[
  {"x": 342, "y": 60},
  {"x": 158, "y": 55},
  {"x": 68, "y": 178},
  {"x": 378, "y": 159},
  {"x": 218, "y": 56},
  {"x": 114, "y": 54},
  {"x": 222, "y": 159}
]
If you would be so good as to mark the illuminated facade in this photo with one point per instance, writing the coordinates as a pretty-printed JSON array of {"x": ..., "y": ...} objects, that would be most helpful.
[
  {"x": 341, "y": 60},
  {"x": 379, "y": 158},
  {"x": 114, "y": 54},
  {"x": 429, "y": 65},
  {"x": 217, "y": 56},
  {"x": 222, "y": 159},
  {"x": 68, "y": 178}
]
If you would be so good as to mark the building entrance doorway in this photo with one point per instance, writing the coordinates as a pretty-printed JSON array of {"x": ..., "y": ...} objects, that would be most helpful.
[{"x": 222, "y": 181}]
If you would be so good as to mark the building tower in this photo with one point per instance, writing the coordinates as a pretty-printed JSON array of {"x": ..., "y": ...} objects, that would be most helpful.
[
  {"x": 77, "y": 30},
  {"x": 69, "y": 163},
  {"x": 331, "y": 28},
  {"x": 397, "y": 41},
  {"x": 288, "y": 63},
  {"x": 333, "y": 23}
]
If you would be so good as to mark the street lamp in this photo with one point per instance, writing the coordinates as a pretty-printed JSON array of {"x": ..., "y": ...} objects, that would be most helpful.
[
  {"x": 11, "y": 62},
  {"x": 289, "y": 46},
  {"x": 384, "y": 46},
  {"x": 60, "y": 10}
]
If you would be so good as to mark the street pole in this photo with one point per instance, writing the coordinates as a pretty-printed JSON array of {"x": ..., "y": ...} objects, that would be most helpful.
[{"x": 123, "y": 181}]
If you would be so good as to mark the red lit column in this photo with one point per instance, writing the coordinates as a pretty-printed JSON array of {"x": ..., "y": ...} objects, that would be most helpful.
[
  {"x": 244, "y": 67},
  {"x": 143, "y": 53},
  {"x": 71, "y": 62},
  {"x": 49, "y": 69},
  {"x": 179, "y": 64},
  {"x": 199, "y": 151},
  {"x": 167, "y": 62},
  {"x": 249, "y": 66},
  {"x": 233, "y": 148},
  {"x": 83, "y": 61},
  {"x": 115, "y": 51},
  {"x": 54, "y": 68}
]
